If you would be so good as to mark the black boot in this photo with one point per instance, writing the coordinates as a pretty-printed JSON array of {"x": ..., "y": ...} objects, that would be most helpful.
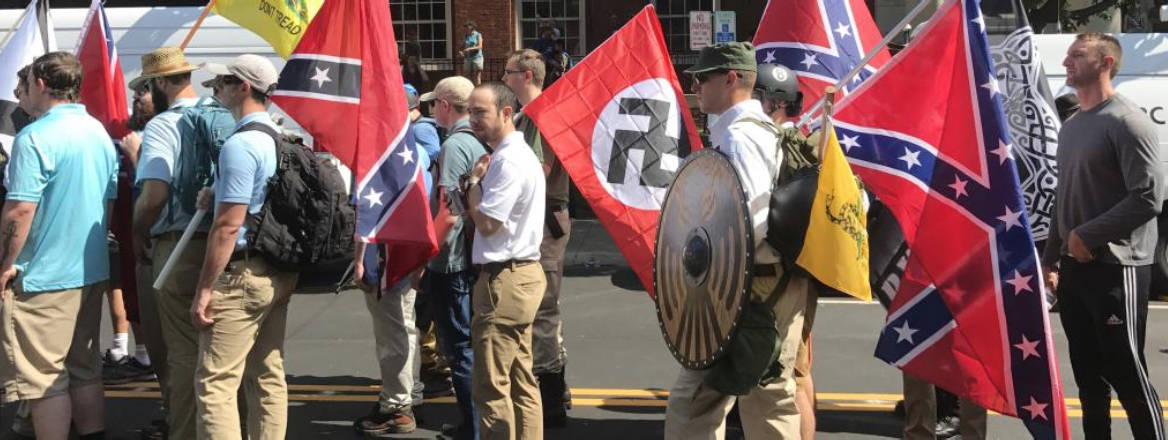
[{"x": 552, "y": 390}]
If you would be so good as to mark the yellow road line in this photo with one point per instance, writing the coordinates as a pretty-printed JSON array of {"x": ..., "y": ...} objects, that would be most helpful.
[{"x": 585, "y": 397}]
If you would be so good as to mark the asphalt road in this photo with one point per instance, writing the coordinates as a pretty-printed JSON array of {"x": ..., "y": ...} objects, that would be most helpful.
[{"x": 618, "y": 367}]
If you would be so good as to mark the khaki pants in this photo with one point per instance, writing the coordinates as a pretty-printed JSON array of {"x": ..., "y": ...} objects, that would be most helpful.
[
  {"x": 548, "y": 328},
  {"x": 505, "y": 392},
  {"x": 50, "y": 341},
  {"x": 245, "y": 345},
  {"x": 768, "y": 412},
  {"x": 178, "y": 334},
  {"x": 397, "y": 347},
  {"x": 920, "y": 413}
]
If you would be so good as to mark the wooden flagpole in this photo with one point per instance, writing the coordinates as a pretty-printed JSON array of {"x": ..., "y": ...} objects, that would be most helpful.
[
  {"x": 198, "y": 23},
  {"x": 828, "y": 103}
]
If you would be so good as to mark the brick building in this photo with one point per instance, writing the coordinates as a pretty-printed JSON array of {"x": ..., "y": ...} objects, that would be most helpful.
[{"x": 437, "y": 25}]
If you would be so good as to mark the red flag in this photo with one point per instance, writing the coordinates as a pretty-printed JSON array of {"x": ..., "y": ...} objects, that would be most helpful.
[
  {"x": 620, "y": 124},
  {"x": 103, "y": 88},
  {"x": 970, "y": 314},
  {"x": 821, "y": 40},
  {"x": 344, "y": 86}
]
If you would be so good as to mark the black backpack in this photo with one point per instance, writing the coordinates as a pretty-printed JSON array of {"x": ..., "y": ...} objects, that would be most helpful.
[{"x": 306, "y": 223}]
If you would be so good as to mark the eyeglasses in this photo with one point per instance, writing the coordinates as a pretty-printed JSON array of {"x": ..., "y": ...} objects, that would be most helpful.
[{"x": 509, "y": 71}]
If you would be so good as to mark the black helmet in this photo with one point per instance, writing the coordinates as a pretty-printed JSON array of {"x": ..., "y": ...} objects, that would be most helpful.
[{"x": 776, "y": 81}]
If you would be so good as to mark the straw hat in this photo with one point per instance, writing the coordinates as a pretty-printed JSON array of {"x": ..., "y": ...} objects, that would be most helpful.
[{"x": 162, "y": 62}]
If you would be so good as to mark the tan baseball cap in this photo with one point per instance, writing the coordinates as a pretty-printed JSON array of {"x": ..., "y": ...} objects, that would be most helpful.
[
  {"x": 455, "y": 90},
  {"x": 256, "y": 70}
]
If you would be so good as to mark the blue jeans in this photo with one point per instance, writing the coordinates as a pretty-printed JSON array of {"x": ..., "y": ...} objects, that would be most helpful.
[{"x": 450, "y": 296}]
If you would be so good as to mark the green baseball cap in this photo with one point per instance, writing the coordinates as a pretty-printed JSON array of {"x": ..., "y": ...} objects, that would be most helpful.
[{"x": 737, "y": 55}]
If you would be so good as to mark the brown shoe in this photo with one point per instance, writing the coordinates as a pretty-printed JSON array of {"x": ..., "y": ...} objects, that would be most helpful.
[{"x": 398, "y": 421}]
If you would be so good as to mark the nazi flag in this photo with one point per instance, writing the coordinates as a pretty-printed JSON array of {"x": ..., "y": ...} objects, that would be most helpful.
[{"x": 619, "y": 123}]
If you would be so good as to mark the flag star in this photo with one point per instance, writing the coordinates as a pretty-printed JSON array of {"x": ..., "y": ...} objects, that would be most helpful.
[
  {"x": 843, "y": 30},
  {"x": 770, "y": 57},
  {"x": 1029, "y": 348},
  {"x": 911, "y": 158},
  {"x": 992, "y": 86},
  {"x": 1003, "y": 152},
  {"x": 321, "y": 77},
  {"x": 980, "y": 22},
  {"x": 809, "y": 60},
  {"x": 1036, "y": 409},
  {"x": 850, "y": 142},
  {"x": 405, "y": 156},
  {"x": 1011, "y": 218},
  {"x": 1020, "y": 283},
  {"x": 904, "y": 333},
  {"x": 373, "y": 197},
  {"x": 958, "y": 186}
]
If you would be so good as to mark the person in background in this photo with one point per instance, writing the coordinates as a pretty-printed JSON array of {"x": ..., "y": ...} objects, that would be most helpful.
[
  {"x": 472, "y": 53},
  {"x": 524, "y": 74},
  {"x": 393, "y": 312},
  {"x": 451, "y": 275}
]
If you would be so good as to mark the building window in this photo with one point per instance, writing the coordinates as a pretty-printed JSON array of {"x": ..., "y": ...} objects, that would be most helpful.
[
  {"x": 423, "y": 26},
  {"x": 674, "y": 15},
  {"x": 562, "y": 17}
]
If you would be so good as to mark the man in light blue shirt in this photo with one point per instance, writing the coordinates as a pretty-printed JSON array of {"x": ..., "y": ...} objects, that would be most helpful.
[
  {"x": 249, "y": 297},
  {"x": 159, "y": 219},
  {"x": 55, "y": 258}
]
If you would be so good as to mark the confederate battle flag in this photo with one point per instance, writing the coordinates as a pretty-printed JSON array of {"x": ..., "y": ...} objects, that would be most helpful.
[
  {"x": 620, "y": 124},
  {"x": 344, "y": 86},
  {"x": 821, "y": 41},
  {"x": 970, "y": 315}
]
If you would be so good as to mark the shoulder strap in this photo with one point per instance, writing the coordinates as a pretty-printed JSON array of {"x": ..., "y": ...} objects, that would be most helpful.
[
  {"x": 780, "y": 163},
  {"x": 780, "y": 287},
  {"x": 261, "y": 127}
]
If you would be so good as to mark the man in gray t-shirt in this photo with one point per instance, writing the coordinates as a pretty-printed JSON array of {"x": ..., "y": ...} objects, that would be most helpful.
[
  {"x": 1111, "y": 187},
  {"x": 451, "y": 275}
]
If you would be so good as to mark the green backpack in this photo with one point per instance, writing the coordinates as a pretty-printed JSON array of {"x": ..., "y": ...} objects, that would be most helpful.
[{"x": 203, "y": 128}]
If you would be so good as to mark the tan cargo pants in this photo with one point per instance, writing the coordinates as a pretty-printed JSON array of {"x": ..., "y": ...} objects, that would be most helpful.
[
  {"x": 506, "y": 395},
  {"x": 178, "y": 334},
  {"x": 245, "y": 345},
  {"x": 699, "y": 413}
]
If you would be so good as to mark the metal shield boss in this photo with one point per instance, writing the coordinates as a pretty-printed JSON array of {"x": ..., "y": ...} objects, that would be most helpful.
[{"x": 704, "y": 258}]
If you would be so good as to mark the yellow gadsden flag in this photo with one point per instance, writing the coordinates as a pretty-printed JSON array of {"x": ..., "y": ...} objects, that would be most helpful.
[
  {"x": 835, "y": 250},
  {"x": 279, "y": 22}
]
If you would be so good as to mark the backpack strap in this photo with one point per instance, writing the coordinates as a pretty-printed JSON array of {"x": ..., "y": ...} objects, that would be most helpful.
[
  {"x": 261, "y": 127},
  {"x": 780, "y": 162},
  {"x": 780, "y": 287}
]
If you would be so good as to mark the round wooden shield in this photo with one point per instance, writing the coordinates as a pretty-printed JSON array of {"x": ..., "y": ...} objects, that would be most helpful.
[{"x": 704, "y": 258}]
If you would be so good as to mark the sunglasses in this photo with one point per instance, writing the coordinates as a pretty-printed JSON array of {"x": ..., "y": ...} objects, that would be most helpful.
[
  {"x": 229, "y": 80},
  {"x": 702, "y": 77}
]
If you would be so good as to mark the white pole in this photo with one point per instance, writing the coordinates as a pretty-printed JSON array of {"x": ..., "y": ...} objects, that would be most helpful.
[
  {"x": 920, "y": 7},
  {"x": 178, "y": 248}
]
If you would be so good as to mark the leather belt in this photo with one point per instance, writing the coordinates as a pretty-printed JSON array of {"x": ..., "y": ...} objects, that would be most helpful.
[{"x": 509, "y": 264}]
